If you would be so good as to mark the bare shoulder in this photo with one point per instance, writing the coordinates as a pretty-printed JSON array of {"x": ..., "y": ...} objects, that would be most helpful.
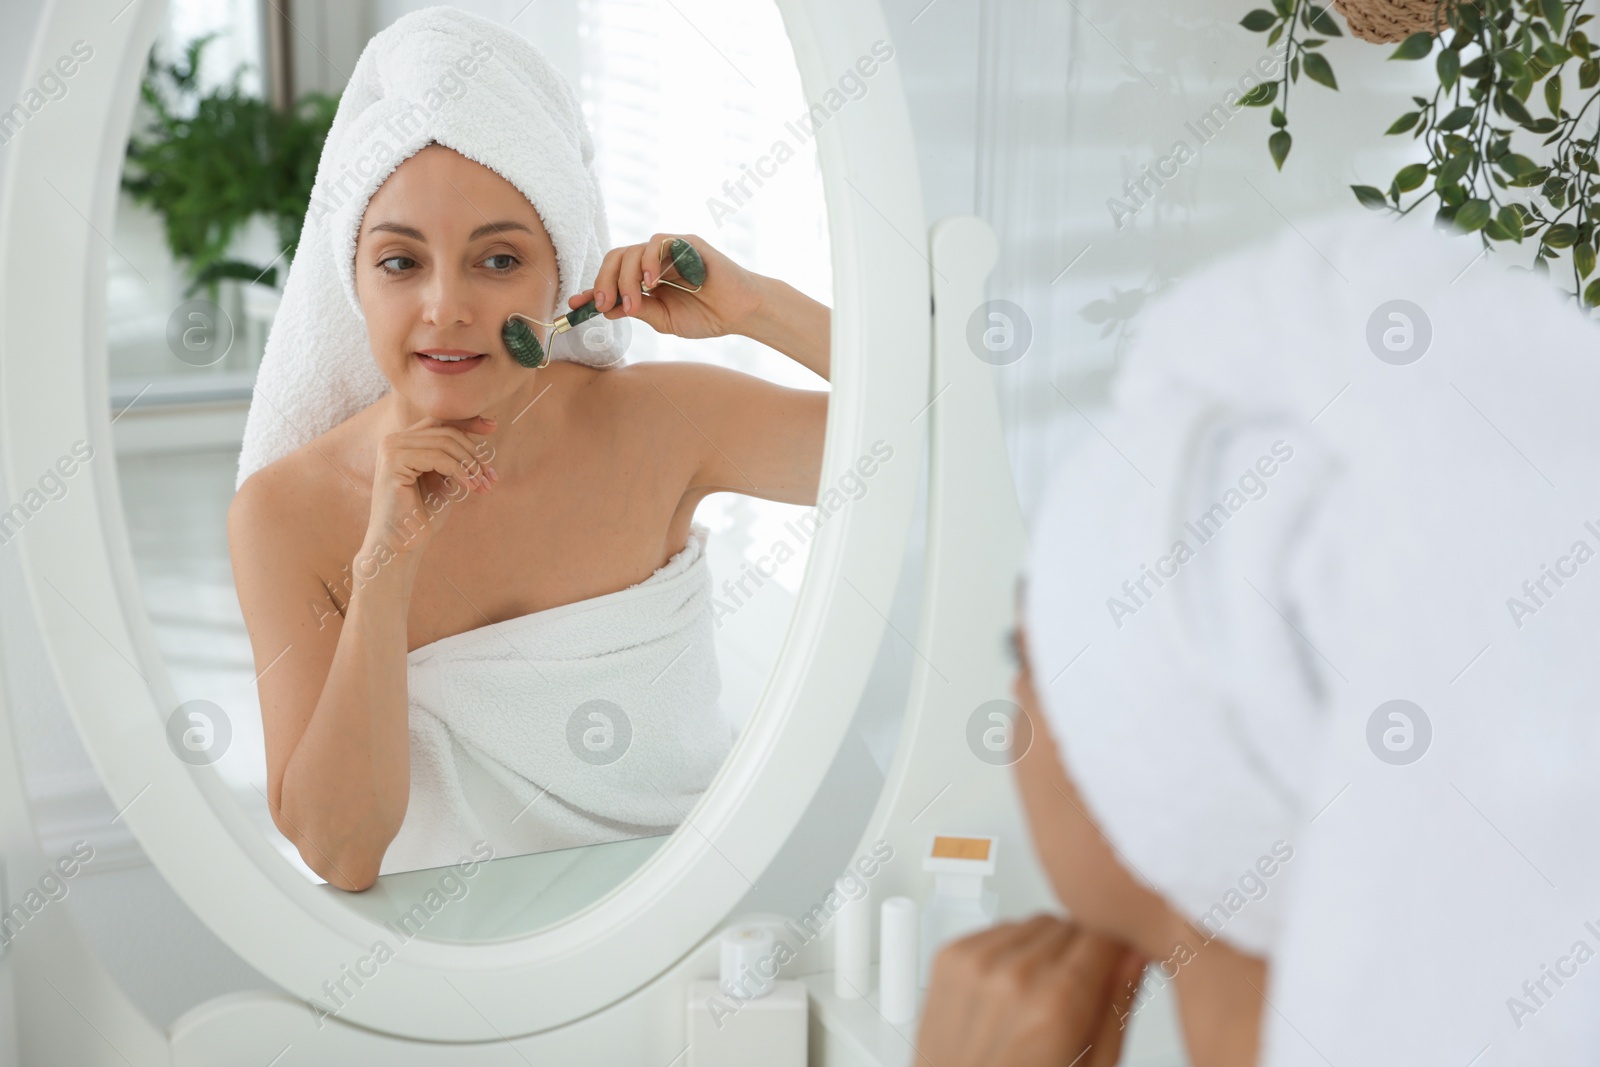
[
  {"x": 678, "y": 375},
  {"x": 681, "y": 389},
  {"x": 294, "y": 514},
  {"x": 730, "y": 430},
  {"x": 266, "y": 496},
  {"x": 636, "y": 400},
  {"x": 285, "y": 491}
]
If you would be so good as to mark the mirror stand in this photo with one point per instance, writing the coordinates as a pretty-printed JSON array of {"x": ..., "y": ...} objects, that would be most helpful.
[{"x": 976, "y": 538}]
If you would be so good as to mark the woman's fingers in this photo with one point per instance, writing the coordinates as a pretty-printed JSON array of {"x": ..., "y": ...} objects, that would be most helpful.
[
  {"x": 483, "y": 425},
  {"x": 421, "y": 464},
  {"x": 975, "y": 988},
  {"x": 458, "y": 430},
  {"x": 722, "y": 307},
  {"x": 1083, "y": 975},
  {"x": 977, "y": 953},
  {"x": 625, "y": 272},
  {"x": 465, "y": 459},
  {"x": 1107, "y": 1047},
  {"x": 629, "y": 296},
  {"x": 1053, "y": 995},
  {"x": 412, "y": 462},
  {"x": 657, "y": 262},
  {"x": 446, "y": 440},
  {"x": 452, "y": 440},
  {"x": 1034, "y": 946},
  {"x": 451, "y": 431},
  {"x": 415, "y": 468},
  {"x": 1079, "y": 988},
  {"x": 478, "y": 424},
  {"x": 1037, "y": 992},
  {"x": 605, "y": 281},
  {"x": 951, "y": 1033},
  {"x": 1047, "y": 938},
  {"x": 1091, "y": 958}
]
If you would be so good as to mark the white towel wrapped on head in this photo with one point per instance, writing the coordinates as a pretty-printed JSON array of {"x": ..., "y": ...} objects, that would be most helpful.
[
  {"x": 464, "y": 81},
  {"x": 1360, "y": 528}
]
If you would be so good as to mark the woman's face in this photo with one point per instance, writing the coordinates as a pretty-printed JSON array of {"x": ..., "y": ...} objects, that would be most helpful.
[{"x": 447, "y": 250}]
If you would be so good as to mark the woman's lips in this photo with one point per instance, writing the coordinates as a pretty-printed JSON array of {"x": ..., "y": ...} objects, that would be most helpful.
[{"x": 454, "y": 361}]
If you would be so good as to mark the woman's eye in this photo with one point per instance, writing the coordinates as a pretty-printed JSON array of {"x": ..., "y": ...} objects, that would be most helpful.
[
  {"x": 502, "y": 255},
  {"x": 383, "y": 264}
]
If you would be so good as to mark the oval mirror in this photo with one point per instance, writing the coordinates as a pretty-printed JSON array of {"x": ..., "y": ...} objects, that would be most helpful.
[
  {"x": 568, "y": 704},
  {"x": 600, "y": 743}
]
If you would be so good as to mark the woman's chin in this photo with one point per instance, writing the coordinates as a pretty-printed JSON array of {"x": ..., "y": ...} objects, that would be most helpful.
[{"x": 448, "y": 399}]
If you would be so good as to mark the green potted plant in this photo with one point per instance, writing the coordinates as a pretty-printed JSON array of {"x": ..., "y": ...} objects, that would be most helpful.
[
  {"x": 1482, "y": 133},
  {"x": 207, "y": 163}
]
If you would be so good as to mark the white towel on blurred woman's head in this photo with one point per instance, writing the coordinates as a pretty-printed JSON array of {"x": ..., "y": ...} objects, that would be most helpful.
[
  {"x": 441, "y": 75},
  {"x": 1357, "y": 526}
]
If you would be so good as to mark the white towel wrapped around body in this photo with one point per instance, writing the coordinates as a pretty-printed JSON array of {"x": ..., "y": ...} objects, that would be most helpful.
[
  {"x": 592, "y": 721},
  {"x": 441, "y": 75},
  {"x": 1380, "y": 529}
]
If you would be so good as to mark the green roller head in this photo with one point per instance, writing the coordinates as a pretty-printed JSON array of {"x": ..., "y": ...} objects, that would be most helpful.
[
  {"x": 523, "y": 344},
  {"x": 687, "y": 260}
]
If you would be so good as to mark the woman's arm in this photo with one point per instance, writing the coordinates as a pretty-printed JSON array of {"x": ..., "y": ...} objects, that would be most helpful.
[
  {"x": 334, "y": 703},
  {"x": 791, "y": 322},
  {"x": 747, "y": 435},
  {"x": 346, "y": 785},
  {"x": 332, "y": 688},
  {"x": 750, "y": 435}
]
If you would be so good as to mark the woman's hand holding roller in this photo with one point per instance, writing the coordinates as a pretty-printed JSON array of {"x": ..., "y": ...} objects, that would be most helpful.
[
  {"x": 732, "y": 300},
  {"x": 725, "y": 303}
]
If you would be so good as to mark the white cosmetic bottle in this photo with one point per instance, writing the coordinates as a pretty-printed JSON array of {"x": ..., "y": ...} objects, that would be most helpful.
[{"x": 959, "y": 904}]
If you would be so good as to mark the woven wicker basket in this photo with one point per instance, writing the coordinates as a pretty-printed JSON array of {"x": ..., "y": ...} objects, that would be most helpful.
[{"x": 1390, "y": 20}]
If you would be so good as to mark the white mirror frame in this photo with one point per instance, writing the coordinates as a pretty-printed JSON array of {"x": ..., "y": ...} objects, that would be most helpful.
[{"x": 61, "y": 198}]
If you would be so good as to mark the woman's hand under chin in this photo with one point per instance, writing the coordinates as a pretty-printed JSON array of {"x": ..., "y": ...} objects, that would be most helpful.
[
  {"x": 1038, "y": 993},
  {"x": 728, "y": 301},
  {"x": 419, "y": 472}
]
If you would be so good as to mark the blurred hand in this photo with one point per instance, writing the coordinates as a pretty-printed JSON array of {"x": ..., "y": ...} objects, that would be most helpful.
[
  {"x": 726, "y": 302},
  {"x": 1038, "y": 993}
]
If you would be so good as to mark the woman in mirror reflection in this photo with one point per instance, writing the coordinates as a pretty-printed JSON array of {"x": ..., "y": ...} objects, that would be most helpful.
[{"x": 476, "y": 592}]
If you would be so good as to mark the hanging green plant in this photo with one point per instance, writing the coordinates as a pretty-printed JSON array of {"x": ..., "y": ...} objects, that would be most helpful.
[
  {"x": 1291, "y": 17},
  {"x": 1498, "y": 53},
  {"x": 206, "y": 163}
]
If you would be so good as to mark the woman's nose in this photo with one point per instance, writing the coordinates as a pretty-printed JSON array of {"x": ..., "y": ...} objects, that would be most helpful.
[{"x": 447, "y": 300}]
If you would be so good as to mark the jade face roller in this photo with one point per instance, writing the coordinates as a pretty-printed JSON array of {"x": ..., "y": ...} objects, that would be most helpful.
[{"x": 524, "y": 344}]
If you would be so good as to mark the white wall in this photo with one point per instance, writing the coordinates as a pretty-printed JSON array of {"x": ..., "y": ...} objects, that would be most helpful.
[{"x": 1072, "y": 101}]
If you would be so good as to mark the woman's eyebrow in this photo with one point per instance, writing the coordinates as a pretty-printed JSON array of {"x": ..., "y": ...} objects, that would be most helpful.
[{"x": 482, "y": 231}]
